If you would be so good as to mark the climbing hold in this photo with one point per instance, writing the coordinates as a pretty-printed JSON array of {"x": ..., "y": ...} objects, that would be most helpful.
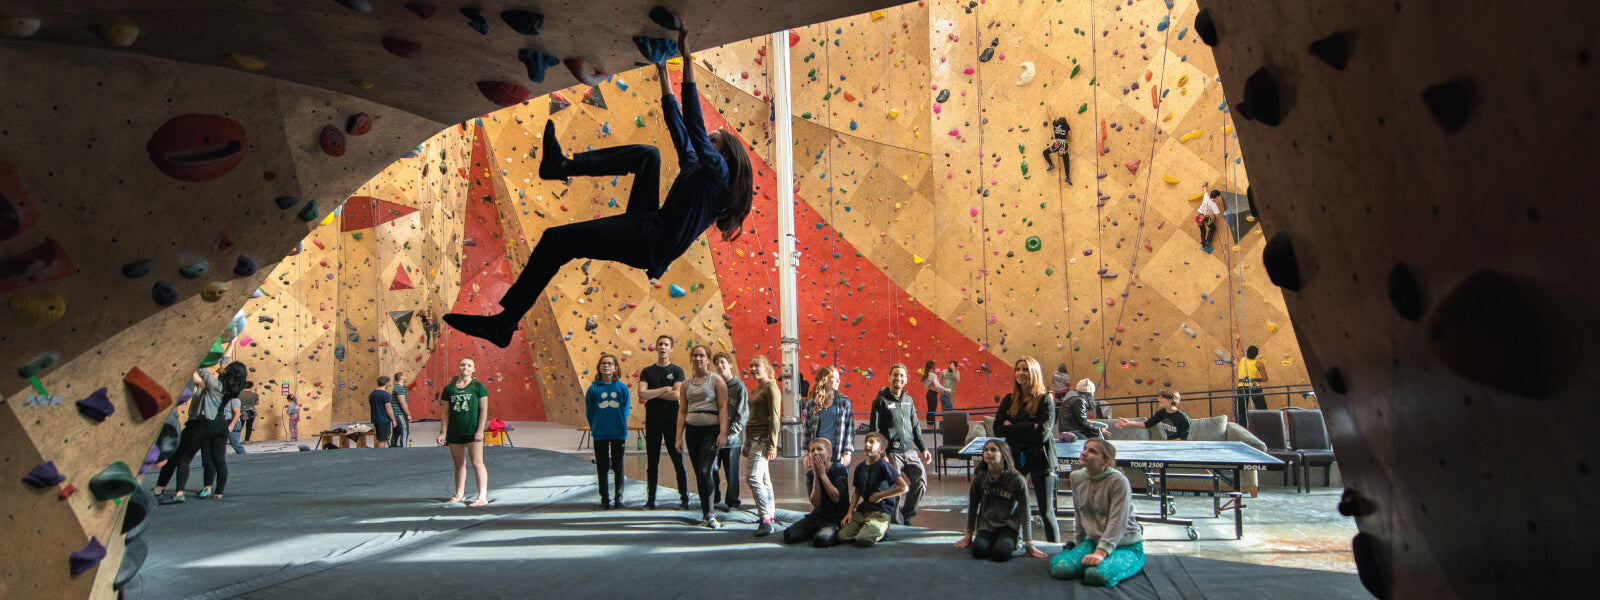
[
  {"x": 331, "y": 140},
  {"x": 37, "y": 365},
  {"x": 422, "y": 9},
  {"x": 358, "y": 124},
  {"x": 19, "y": 27},
  {"x": 37, "y": 309},
  {"x": 942, "y": 97},
  {"x": 164, "y": 293},
  {"x": 580, "y": 69},
  {"x": 1366, "y": 559},
  {"x": 669, "y": 21},
  {"x": 1169, "y": 179},
  {"x": 43, "y": 475},
  {"x": 1191, "y": 135},
  {"x": 1133, "y": 167},
  {"x": 285, "y": 202},
  {"x": 150, "y": 397},
  {"x": 504, "y": 93},
  {"x": 310, "y": 212},
  {"x": 1489, "y": 330},
  {"x": 116, "y": 35},
  {"x": 894, "y": 112},
  {"x": 1405, "y": 293},
  {"x": 213, "y": 291},
  {"x": 590, "y": 324},
  {"x": 917, "y": 260},
  {"x": 1075, "y": 69},
  {"x": 401, "y": 281},
  {"x": 402, "y": 48},
  {"x": 194, "y": 269},
  {"x": 360, "y": 6},
  {"x": 96, "y": 405},
  {"x": 771, "y": 320},
  {"x": 1205, "y": 27},
  {"x": 195, "y": 147},
  {"x": 248, "y": 63},
  {"x": 1451, "y": 103},
  {"x": 525, "y": 22},
  {"x": 536, "y": 62},
  {"x": 1279, "y": 259},
  {"x": 1083, "y": 107},
  {"x": 1335, "y": 379},
  {"x": 986, "y": 55},
  {"x": 87, "y": 557},
  {"x": 475, "y": 19},
  {"x": 1261, "y": 102},
  {"x": 1332, "y": 50},
  {"x": 1027, "y": 73},
  {"x": 676, "y": 291},
  {"x": 1033, "y": 243},
  {"x": 656, "y": 50},
  {"x": 245, "y": 266}
]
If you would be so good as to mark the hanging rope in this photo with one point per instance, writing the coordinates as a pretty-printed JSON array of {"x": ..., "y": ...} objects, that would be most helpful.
[{"x": 1100, "y": 197}]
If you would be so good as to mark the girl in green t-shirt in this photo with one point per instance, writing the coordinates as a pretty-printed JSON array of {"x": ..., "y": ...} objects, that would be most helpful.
[{"x": 466, "y": 408}]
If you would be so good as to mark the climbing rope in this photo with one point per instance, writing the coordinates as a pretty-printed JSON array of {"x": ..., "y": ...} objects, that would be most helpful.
[{"x": 1100, "y": 197}]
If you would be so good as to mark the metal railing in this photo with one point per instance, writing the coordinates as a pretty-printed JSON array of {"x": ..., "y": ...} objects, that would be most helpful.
[{"x": 1303, "y": 390}]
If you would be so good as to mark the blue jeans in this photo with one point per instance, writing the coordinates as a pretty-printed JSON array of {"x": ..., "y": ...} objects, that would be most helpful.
[
  {"x": 945, "y": 402},
  {"x": 233, "y": 440},
  {"x": 1122, "y": 563}
]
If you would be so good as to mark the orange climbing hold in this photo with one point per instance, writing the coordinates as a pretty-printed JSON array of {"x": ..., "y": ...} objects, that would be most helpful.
[{"x": 149, "y": 395}]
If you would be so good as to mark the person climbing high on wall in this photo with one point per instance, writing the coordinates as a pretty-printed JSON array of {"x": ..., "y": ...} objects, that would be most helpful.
[
  {"x": 1058, "y": 147},
  {"x": 1207, "y": 218},
  {"x": 713, "y": 186}
]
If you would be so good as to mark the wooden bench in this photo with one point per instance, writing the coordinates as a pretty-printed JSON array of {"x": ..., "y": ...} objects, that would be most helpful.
[
  {"x": 583, "y": 434},
  {"x": 342, "y": 439}
]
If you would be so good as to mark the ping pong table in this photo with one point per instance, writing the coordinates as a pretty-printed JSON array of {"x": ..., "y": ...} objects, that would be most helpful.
[{"x": 1155, "y": 457}]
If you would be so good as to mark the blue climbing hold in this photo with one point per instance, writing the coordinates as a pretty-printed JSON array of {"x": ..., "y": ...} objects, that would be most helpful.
[
  {"x": 1164, "y": 24},
  {"x": 655, "y": 50},
  {"x": 676, "y": 291},
  {"x": 164, "y": 293},
  {"x": 536, "y": 62}
]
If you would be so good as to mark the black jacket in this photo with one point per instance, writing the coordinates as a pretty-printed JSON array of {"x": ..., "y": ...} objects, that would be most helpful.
[{"x": 896, "y": 419}]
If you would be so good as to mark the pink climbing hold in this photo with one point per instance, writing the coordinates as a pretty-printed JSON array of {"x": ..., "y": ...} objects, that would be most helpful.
[
  {"x": 972, "y": 211},
  {"x": 580, "y": 70},
  {"x": 503, "y": 93},
  {"x": 969, "y": 71},
  {"x": 331, "y": 140},
  {"x": 1133, "y": 167}
]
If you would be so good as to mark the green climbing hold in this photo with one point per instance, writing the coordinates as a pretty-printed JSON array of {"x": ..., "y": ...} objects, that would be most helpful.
[
  {"x": 638, "y": 121},
  {"x": 1075, "y": 70},
  {"x": 806, "y": 115},
  {"x": 1048, "y": 272},
  {"x": 310, "y": 212},
  {"x": 1024, "y": 168},
  {"x": 115, "y": 481},
  {"x": 44, "y": 361},
  {"x": 1083, "y": 108},
  {"x": 356, "y": 235},
  {"x": 194, "y": 269},
  {"x": 214, "y": 355},
  {"x": 1022, "y": 149},
  {"x": 1033, "y": 244}
]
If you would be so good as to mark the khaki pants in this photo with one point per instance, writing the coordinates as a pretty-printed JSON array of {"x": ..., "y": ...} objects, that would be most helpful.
[{"x": 865, "y": 528}]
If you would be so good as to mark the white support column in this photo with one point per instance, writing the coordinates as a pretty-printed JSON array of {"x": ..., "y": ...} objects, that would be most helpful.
[{"x": 788, "y": 259}]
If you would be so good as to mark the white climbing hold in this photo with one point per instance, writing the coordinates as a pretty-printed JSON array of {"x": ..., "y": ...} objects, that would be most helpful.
[
  {"x": 117, "y": 35},
  {"x": 19, "y": 27},
  {"x": 1027, "y": 73}
]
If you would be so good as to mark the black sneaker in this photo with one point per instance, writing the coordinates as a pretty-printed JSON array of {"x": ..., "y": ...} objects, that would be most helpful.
[
  {"x": 665, "y": 18},
  {"x": 165, "y": 499},
  {"x": 684, "y": 503},
  {"x": 490, "y": 329},
  {"x": 650, "y": 505},
  {"x": 764, "y": 530}
]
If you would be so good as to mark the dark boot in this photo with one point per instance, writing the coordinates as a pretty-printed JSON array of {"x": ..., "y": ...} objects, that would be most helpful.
[
  {"x": 493, "y": 329},
  {"x": 551, "y": 165}
]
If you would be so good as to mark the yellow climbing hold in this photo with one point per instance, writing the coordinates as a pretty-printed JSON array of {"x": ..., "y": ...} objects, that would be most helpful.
[
  {"x": 213, "y": 291},
  {"x": 1169, "y": 179},
  {"x": 1227, "y": 130},
  {"x": 1192, "y": 135},
  {"x": 1167, "y": 118},
  {"x": 878, "y": 15},
  {"x": 248, "y": 63},
  {"x": 730, "y": 306},
  {"x": 361, "y": 83},
  {"x": 328, "y": 219},
  {"x": 1183, "y": 80},
  {"x": 38, "y": 309},
  {"x": 1196, "y": 196},
  {"x": 917, "y": 260},
  {"x": 1272, "y": 327},
  {"x": 894, "y": 112},
  {"x": 913, "y": 321}
]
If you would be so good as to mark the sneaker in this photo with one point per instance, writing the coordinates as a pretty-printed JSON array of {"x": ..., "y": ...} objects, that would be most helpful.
[
  {"x": 650, "y": 505},
  {"x": 765, "y": 529},
  {"x": 165, "y": 499},
  {"x": 720, "y": 507},
  {"x": 490, "y": 329},
  {"x": 710, "y": 522},
  {"x": 684, "y": 503}
]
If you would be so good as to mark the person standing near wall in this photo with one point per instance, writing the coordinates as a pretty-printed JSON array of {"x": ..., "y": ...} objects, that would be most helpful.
[
  {"x": 894, "y": 416},
  {"x": 466, "y": 410},
  {"x": 293, "y": 411},
  {"x": 703, "y": 426},
  {"x": 738, "y": 414},
  {"x": 402, "y": 412},
  {"x": 605, "y": 407},
  {"x": 1251, "y": 375},
  {"x": 659, "y": 392},
  {"x": 248, "y": 400},
  {"x": 930, "y": 382},
  {"x": 1060, "y": 382},
  {"x": 1027, "y": 421},
  {"x": 759, "y": 447},
  {"x": 382, "y": 412},
  {"x": 949, "y": 379},
  {"x": 828, "y": 415}
]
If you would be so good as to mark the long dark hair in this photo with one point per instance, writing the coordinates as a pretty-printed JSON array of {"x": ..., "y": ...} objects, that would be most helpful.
[
  {"x": 233, "y": 380},
  {"x": 1005, "y": 459},
  {"x": 741, "y": 188}
]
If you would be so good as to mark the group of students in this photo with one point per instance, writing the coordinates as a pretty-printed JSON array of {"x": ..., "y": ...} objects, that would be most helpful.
[{"x": 391, "y": 412}]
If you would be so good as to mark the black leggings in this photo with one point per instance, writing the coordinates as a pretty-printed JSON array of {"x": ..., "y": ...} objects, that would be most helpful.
[
  {"x": 933, "y": 405},
  {"x": 728, "y": 464},
  {"x": 1042, "y": 476},
  {"x": 214, "y": 460},
  {"x": 655, "y": 435},
  {"x": 821, "y": 532},
  {"x": 189, "y": 442},
  {"x": 995, "y": 544},
  {"x": 626, "y": 238},
  {"x": 608, "y": 458},
  {"x": 701, "y": 442}
]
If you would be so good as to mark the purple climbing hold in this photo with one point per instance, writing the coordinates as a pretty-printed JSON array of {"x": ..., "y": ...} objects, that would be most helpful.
[
  {"x": 537, "y": 62},
  {"x": 164, "y": 293},
  {"x": 284, "y": 202},
  {"x": 97, "y": 406},
  {"x": 90, "y": 555},
  {"x": 44, "y": 475},
  {"x": 245, "y": 266}
]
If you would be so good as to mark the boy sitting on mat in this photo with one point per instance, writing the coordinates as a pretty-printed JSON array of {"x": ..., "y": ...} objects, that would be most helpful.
[{"x": 873, "y": 489}]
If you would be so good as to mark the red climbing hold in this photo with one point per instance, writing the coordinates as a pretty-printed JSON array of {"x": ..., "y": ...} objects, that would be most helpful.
[
  {"x": 401, "y": 280},
  {"x": 503, "y": 93},
  {"x": 149, "y": 395},
  {"x": 422, "y": 9},
  {"x": 794, "y": 38},
  {"x": 580, "y": 69},
  {"x": 359, "y": 124},
  {"x": 45, "y": 262},
  {"x": 16, "y": 215},
  {"x": 402, "y": 48},
  {"x": 331, "y": 140},
  {"x": 1133, "y": 167},
  {"x": 196, "y": 147},
  {"x": 225, "y": 243},
  {"x": 365, "y": 212}
]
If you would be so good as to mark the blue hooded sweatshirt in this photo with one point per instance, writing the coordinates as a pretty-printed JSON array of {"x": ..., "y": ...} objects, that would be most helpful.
[{"x": 606, "y": 406}]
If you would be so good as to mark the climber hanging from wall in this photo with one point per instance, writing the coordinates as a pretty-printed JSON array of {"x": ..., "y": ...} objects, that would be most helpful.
[
  {"x": 713, "y": 186},
  {"x": 1058, "y": 147}
]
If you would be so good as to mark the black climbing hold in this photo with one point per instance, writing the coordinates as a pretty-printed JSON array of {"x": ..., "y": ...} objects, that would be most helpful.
[
  {"x": 1404, "y": 293},
  {"x": 1351, "y": 504},
  {"x": 114, "y": 481},
  {"x": 475, "y": 19},
  {"x": 164, "y": 293},
  {"x": 1282, "y": 268},
  {"x": 1366, "y": 559},
  {"x": 525, "y": 22},
  {"x": 1336, "y": 380},
  {"x": 1205, "y": 27},
  {"x": 665, "y": 18},
  {"x": 138, "y": 268},
  {"x": 1451, "y": 103},
  {"x": 284, "y": 202},
  {"x": 771, "y": 320},
  {"x": 986, "y": 55},
  {"x": 1488, "y": 331},
  {"x": 133, "y": 520},
  {"x": 1332, "y": 50},
  {"x": 590, "y": 324},
  {"x": 942, "y": 97},
  {"x": 1261, "y": 102}
]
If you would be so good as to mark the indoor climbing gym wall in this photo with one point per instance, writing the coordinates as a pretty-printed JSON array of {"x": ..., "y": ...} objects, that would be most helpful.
[{"x": 349, "y": 303}]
